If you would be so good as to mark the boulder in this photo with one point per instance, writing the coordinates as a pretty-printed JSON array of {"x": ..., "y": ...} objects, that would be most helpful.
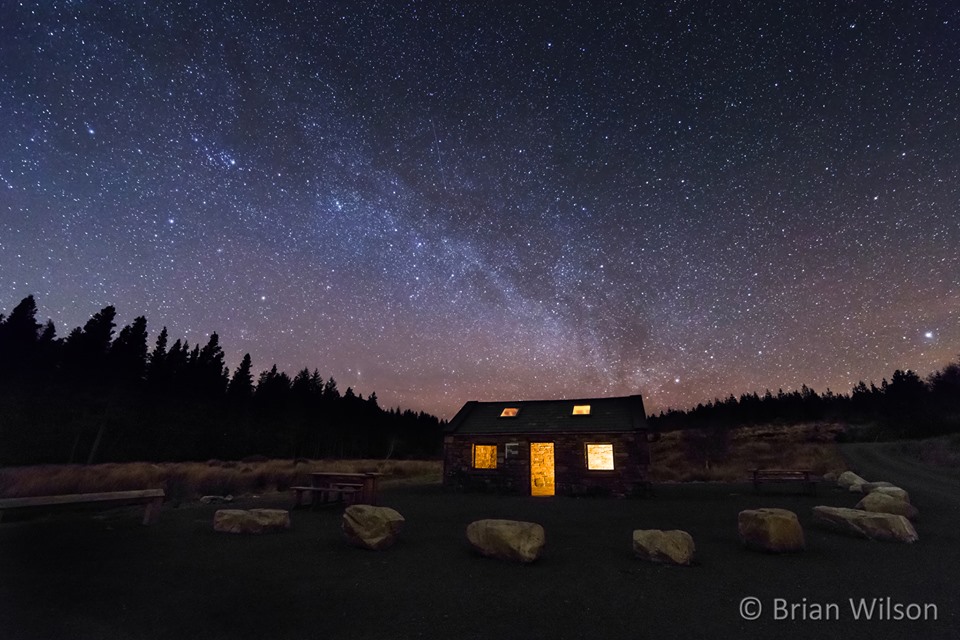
[
  {"x": 510, "y": 540},
  {"x": 849, "y": 479},
  {"x": 667, "y": 547},
  {"x": 866, "y": 524},
  {"x": 212, "y": 499},
  {"x": 251, "y": 521},
  {"x": 370, "y": 527},
  {"x": 774, "y": 530},
  {"x": 896, "y": 492},
  {"x": 882, "y": 503},
  {"x": 867, "y": 487},
  {"x": 830, "y": 476}
]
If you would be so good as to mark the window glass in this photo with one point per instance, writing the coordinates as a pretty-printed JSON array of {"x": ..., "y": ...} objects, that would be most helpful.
[
  {"x": 600, "y": 457},
  {"x": 485, "y": 456}
]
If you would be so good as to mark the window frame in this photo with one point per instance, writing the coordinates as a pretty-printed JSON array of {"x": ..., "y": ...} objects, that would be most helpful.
[
  {"x": 515, "y": 412},
  {"x": 473, "y": 456},
  {"x": 584, "y": 410},
  {"x": 586, "y": 455}
]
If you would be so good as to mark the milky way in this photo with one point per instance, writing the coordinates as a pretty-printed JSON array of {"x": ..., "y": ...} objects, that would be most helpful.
[{"x": 445, "y": 201}]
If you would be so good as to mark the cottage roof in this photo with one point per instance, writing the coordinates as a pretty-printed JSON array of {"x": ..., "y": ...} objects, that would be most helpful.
[{"x": 551, "y": 416}]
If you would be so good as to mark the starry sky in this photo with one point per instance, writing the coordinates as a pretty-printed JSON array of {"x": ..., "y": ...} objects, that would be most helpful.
[{"x": 446, "y": 201}]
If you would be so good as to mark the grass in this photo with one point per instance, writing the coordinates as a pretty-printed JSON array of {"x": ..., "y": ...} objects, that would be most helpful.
[
  {"x": 188, "y": 480},
  {"x": 85, "y": 578},
  {"x": 717, "y": 456},
  {"x": 940, "y": 452}
]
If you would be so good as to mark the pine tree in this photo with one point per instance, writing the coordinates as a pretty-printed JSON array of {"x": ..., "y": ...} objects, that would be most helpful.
[
  {"x": 128, "y": 353},
  {"x": 157, "y": 366},
  {"x": 19, "y": 340},
  {"x": 241, "y": 385},
  {"x": 211, "y": 371}
]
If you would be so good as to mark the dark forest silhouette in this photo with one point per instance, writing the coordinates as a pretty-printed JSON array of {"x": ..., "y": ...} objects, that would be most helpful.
[
  {"x": 93, "y": 397},
  {"x": 96, "y": 397},
  {"x": 905, "y": 407}
]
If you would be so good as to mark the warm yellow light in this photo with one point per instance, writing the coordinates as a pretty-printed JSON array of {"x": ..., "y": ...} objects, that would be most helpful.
[
  {"x": 509, "y": 412},
  {"x": 600, "y": 457},
  {"x": 581, "y": 409},
  {"x": 541, "y": 469},
  {"x": 485, "y": 456}
]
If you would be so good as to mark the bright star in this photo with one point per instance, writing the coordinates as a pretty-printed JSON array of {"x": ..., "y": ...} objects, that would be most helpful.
[{"x": 928, "y": 335}]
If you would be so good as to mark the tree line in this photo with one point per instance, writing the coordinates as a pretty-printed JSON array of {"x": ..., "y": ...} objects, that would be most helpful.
[
  {"x": 99, "y": 395},
  {"x": 906, "y": 406}
]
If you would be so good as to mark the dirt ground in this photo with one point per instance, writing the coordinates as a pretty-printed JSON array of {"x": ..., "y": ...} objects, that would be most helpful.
[{"x": 103, "y": 575}]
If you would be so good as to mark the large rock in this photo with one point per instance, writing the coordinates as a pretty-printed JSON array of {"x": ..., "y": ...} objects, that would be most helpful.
[
  {"x": 775, "y": 530},
  {"x": 667, "y": 547},
  {"x": 865, "y": 524},
  {"x": 867, "y": 487},
  {"x": 371, "y": 527},
  {"x": 877, "y": 502},
  {"x": 511, "y": 540},
  {"x": 896, "y": 492},
  {"x": 251, "y": 521},
  {"x": 849, "y": 479}
]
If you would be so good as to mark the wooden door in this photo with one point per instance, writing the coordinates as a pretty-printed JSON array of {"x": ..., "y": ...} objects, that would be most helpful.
[{"x": 541, "y": 469}]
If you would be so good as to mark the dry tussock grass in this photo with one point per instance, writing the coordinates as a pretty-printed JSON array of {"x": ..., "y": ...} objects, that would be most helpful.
[
  {"x": 186, "y": 480},
  {"x": 809, "y": 446},
  {"x": 939, "y": 452}
]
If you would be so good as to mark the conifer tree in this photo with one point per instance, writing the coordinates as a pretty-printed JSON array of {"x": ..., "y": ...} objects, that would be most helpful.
[
  {"x": 128, "y": 353},
  {"x": 19, "y": 334},
  {"x": 241, "y": 385}
]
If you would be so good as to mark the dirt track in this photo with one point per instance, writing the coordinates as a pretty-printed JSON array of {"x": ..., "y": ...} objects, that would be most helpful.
[{"x": 931, "y": 486}]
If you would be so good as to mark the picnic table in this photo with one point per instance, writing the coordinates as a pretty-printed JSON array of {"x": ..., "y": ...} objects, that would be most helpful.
[
  {"x": 327, "y": 487},
  {"x": 800, "y": 476},
  {"x": 152, "y": 498}
]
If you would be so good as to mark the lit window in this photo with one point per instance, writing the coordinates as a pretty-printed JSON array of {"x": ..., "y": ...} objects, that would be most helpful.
[
  {"x": 600, "y": 457},
  {"x": 509, "y": 412},
  {"x": 581, "y": 409},
  {"x": 485, "y": 456}
]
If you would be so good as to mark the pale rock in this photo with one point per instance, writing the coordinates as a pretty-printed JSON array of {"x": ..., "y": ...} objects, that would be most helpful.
[
  {"x": 511, "y": 540},
  {"x": 849, "y": 479},
  {"x": 876, "y": 526},
  {"x": 896, "y": 492},
  {"x": 667, "y": 547},
  {"x": 775, "y": 530},
  {"x": 867, "y": 487},
  {"x": 251, "y": 521},
  {"x": 877, "y": 502},
  {"x": 371, "y": 527}
]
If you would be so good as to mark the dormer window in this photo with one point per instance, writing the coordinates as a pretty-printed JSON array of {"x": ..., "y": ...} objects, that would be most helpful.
[
  {"x": 581, "y": 410},
  {"x": 509, "y": 412}
]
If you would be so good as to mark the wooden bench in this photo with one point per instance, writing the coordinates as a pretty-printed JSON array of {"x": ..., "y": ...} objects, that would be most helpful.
[
  {"x": 332, "y": 494},
  {"x": 783, "y": 476},
  {"x": 152, "y": 498}
]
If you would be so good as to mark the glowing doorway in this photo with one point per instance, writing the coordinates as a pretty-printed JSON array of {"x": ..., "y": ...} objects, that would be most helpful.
[{"x": 541, "y": 469}]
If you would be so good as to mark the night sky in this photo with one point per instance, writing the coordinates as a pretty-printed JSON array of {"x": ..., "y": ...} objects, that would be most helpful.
[{"x": 446, "y": 201}]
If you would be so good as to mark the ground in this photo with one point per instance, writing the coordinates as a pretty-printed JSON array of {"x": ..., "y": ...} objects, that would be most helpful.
[{"x": 105, "y": 576}]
